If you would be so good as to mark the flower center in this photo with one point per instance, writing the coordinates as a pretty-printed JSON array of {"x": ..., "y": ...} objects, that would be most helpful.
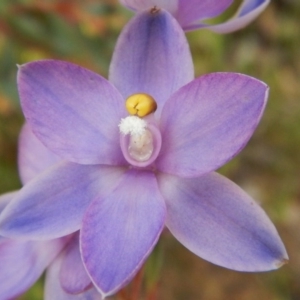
[
  {"x": 140, "y": 138},
  {"x": 140, "y": 146},
  {"x": 140, "y": 143}
]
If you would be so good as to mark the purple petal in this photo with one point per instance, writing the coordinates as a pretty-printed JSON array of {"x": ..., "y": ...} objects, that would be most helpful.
[
  {"x": 218, "y": 221},
  {"x": 6, "y": 198},
  {"x": 34, "y": 157},
  {"x": 119, "y": 231},
  {"x": 146, "y": 58},
  {"x": 22, "y": 263},
  {"x": 190, "y": 11},
  {"x": 248, "y": 11},
  {"x": 53, "y": 204},
  {"x": 53, "y": 289},
  {"x": 249, "y": 5},
  {"x": 73, "y": 276},
  {"x": 138, "y": 5},
  {"x": 73, "y": 111},
  {"x": 208, "y": 121}
]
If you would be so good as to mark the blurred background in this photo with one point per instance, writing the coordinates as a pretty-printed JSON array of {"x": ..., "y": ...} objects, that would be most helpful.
[{"x": 85, "y": 32}]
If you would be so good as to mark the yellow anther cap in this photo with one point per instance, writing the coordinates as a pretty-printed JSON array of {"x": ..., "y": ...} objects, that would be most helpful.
[{"x": 140, "y": 104}]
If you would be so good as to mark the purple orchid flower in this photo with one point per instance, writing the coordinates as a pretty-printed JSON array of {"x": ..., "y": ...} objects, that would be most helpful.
[
  {"x": 23, "y": 262},
  {"x": 67, "y": 279},
  {"x": 124, "y": 177},
  {"x": 191, "y": 13}
]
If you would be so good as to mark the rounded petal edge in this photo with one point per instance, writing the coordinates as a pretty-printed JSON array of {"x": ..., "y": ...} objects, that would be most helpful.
[
  {"x": 127, "y": 223},
  {"x": 209, "y": 121},
  {"x": 73, "y": 111},
  {"x": 248, "y": 11},
  {"x": 218, "y": 221},
  {"x": 145, "y": 59}
]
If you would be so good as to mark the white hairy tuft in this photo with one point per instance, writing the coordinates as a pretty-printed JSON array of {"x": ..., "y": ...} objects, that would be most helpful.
[{"x": 132, "y": 125}]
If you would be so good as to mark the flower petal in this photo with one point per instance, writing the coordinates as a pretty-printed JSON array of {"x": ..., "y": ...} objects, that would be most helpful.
[
  {"x": 248, "y": 11},
  {"x": 209, "y": 121},
  {"x": 190, "y": 11},
  {"x": 53, "y": 204},
  {"x": 219, "y": 222},
  {"x": 6, "y": 198},
  {"x": 138, "y": 5},
  {"x": 119, "y": 231},
  {"x": 73, "y": 111},
  {"x": 146, "y": 58},
  {"x": 22, "y": 263},
  {"x": 34, "y": 157},
  {"x": 53, "y": 289},
  {"x": 73, "y": 276}
]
